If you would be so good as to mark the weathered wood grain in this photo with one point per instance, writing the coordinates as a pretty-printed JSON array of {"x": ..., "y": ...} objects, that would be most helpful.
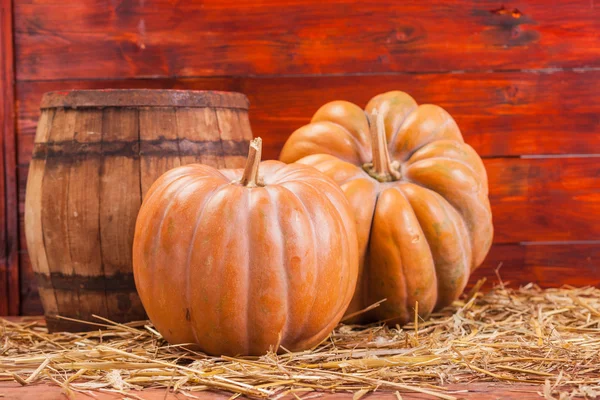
[
  {"x": 156, "y": 124},
  {"x": 545, "y": 199},
  {"x": 162, "y": 38},
  {"x": 9, "y": 258},
  {"x": 547, "y": 265},
  {"x": 55, "y": 216},
  {"x": 32, "y": 183},
  {"x": 120, "y": 199},
  {"x": 84, "y": 214}
]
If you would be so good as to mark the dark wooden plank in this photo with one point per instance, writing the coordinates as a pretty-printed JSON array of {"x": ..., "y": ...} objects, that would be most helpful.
[
  {"x": 481, "y": 391},
  {"x": 500, "y": 114},
  {"x": 92, "y": 39},
  {"x": 9, "y": 241},
  {"x": 548, "y": 265},
  {"x": 545, "y": 199}
]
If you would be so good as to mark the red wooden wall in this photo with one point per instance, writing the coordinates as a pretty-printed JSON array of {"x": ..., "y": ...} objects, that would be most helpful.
[{"x": 522, "y": 81}]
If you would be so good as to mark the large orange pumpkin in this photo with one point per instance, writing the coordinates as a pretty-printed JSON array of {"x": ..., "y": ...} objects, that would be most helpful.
[
  {"x": 419, "y": 193},
  {"x": 243, "y": 261}
]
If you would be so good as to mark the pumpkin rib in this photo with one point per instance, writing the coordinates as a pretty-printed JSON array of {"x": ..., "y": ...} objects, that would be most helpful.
[
  {"x": 478, "y": 204},
  {"x": 327, "y": 112},
  {"x": 431, "y": 159},
  {"x": 314, "y": 252},
  {"x": 284, "y": 174},
  {"x": 358, "y": 145},
  {"x": 333, "y": 204},
  {"x": 180, "y": 187},
  {"x": 326, "y": 163},
  {"x": 434, "y": 271},
  {"x": 403, "y": 267},
  {"x": 160, "y": 185},
  {"x": 466, "y": 255},
  {"x": 399, "y": 270},
  {"x": 364, "y": 289},
  {"x": 391, "y": 97},
  {"x": 248, "y": 272},
  {"x": 165, "y": 210},
  {"x": 453, "y": 150},
  {"x": 336, "y": 206},
  {"x": 305, "y": 140},
  {"x": 264, "y": 264},
  {"x": 430, "y": 138},
  {"x": 455, "y": 235},
  {"x": 283, "y": 266},
  {"x": 191, "y": 248},
  {"x": 400, "y": 124},
  {"x": 244, "y": 334}
]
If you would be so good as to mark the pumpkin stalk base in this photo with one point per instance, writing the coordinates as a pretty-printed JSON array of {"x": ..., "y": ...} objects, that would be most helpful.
[
  {"x": 250, "y": 176},
  {"x": 392, "y": 175},
  {"x": 381, "y": 169}
]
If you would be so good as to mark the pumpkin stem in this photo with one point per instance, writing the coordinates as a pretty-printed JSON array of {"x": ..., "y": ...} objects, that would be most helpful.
[
  {"x": 381, "y": 168},
  {"x": 250, "y": 175}
]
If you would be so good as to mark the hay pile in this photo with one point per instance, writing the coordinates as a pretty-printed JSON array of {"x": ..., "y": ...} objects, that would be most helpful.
[{"x": 546, "y": 337}]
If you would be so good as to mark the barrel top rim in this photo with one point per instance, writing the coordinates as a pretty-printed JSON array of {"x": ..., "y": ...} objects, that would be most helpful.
[{"x": 143, "y": 98}]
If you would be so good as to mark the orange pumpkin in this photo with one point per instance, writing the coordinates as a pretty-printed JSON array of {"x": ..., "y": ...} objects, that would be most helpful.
[
  {"x": 243, "y": 261},
  {"x": 419, "y": 194}
]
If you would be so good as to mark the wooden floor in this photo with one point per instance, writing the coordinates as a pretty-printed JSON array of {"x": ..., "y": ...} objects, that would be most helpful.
[{"x": 482, "y": 391}]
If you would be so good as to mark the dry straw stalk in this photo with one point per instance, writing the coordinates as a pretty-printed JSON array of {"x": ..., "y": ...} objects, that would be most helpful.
[{"x": 547, "y": 337}]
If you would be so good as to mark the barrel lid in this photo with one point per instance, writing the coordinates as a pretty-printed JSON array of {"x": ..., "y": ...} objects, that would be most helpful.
[{"x": 144, "y": 98}]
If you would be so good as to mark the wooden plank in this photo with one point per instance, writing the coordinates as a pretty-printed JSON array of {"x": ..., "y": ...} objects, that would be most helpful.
[
  {"x": 156, "y": 125},
  {"x": 500, "y": 114},
  {"x": 32, "y": 226},
  {"x": 548, "y": 265},
  {"x": 9, "y": 235},
  {"x": 120, "y": 200},
  {"x": 88, "y": 39},
  {"x": 480, "y": 391},
  {"x": 83, "y": 218},
  {"x": 232, "y": 124},
  {"x": 191, "y": 124},
  {"x": 54, "y": 194},
  {"x": 545, "y": 199}
]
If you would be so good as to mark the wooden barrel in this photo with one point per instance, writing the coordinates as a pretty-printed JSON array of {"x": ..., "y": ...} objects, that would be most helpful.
[{"x": 96, "y": 154}]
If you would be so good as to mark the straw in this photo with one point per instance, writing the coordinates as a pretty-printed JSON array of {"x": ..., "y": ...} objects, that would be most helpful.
[{"x": 549, "y": 338}]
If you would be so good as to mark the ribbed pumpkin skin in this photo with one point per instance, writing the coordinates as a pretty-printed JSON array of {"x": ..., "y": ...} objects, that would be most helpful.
[
  {"x": 240, "y": 270},
  {"x": 419, "y": 236}
]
